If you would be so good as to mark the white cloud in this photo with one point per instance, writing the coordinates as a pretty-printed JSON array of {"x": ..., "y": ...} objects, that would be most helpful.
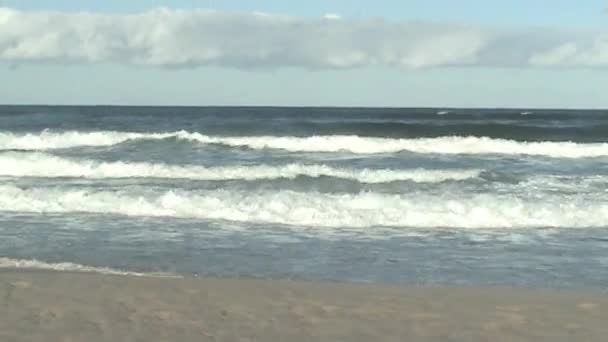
[
  {"x": 179, "y": 38},
  {"x": 331, "y": 16}
]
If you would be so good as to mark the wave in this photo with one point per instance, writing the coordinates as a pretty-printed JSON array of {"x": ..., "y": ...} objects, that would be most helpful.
[
  {"x": 442, "y": 145},
  {"x": 46, "y": 165},
  {"x": 47, "y": 140},
  {"x": 320, "y": 209},
  {"x": 596, "y": 184},
  {"x": 587, "y": 131},
  {"x": 331, "y": 143},
  {"x": 32, "y": 264}
]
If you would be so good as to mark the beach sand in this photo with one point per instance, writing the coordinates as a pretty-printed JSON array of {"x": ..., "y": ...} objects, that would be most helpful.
[{"x": 56, "y": 306}]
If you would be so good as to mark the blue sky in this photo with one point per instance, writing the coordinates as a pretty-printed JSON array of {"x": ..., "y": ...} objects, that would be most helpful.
[
  {"x": 568, "y": 13},
  {"x": 573, "y": 71}
]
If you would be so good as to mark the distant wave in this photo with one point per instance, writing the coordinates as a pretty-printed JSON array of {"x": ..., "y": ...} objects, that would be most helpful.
[
  {"x": 47, "y": 140},
  {"x": 320, "y": 209},
  {"x": 331, "y": 143},
  {"x": 442, "y": 145},
  {"x": 39, "y": 164},
  {"x": 8, "y": 263}
]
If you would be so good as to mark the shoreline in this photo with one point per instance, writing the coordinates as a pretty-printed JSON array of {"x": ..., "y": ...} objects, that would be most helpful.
[{"x": 46, "y": 305}]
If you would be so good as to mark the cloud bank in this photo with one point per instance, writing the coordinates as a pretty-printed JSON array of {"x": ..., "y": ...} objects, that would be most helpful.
[{"x": 180, "y": 38}]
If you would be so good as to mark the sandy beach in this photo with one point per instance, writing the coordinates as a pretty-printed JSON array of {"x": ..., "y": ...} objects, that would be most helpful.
[{"x": 61, "y": 306}]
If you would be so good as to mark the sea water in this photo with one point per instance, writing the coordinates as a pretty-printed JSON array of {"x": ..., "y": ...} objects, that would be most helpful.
[{"x": 403, "y": 196}]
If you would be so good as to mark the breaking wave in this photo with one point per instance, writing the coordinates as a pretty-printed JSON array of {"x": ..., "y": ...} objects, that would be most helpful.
[
  {"x": 38, "y": 164},
  {"x": 47, "y": 140},
  {"x": 331, "y": 143},
  {"x": 314, "y": 209}
]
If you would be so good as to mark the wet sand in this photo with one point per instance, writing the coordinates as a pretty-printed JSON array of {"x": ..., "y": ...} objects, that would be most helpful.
[{"x": 56, "y": 306}]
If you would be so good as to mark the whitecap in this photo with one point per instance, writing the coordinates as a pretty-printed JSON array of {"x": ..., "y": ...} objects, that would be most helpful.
[
  {"x": 321, "y": 210},
  {"x": 469, "y": 145}
]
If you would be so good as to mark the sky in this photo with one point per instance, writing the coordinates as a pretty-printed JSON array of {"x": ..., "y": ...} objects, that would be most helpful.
[{"x": 396, "y": 53}]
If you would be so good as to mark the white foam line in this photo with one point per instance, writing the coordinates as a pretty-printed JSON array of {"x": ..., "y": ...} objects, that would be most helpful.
[
  {"x": 440, "y": 145},
  {"x": 323, "y": 210},
  {"x": 32, "y": 264},
  {"x": 335, "y": 143},
  {"x": 47, "y": 140},
  {"x": 19, "y": 164}
]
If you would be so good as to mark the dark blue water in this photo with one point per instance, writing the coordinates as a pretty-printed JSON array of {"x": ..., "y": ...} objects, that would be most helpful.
[{"x": 405, "y": 196}]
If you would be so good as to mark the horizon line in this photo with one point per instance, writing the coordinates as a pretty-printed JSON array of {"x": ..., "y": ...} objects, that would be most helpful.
[{"x": 299, "y": 106}]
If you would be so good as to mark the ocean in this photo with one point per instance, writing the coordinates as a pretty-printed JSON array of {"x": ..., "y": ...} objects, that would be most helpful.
[{"x": 408, "y": 196}]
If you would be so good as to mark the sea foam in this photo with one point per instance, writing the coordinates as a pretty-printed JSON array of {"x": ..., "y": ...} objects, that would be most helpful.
[
  {"x": 313, "y": 209},
  {"x": 331, "y": 143},
  {"x": 37, "y": 164},
  {"x": 32, "y": 264}
]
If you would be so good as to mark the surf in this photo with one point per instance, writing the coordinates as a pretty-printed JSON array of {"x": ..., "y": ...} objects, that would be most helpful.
[
  {"x": 450, "y": 145},
  {"x": 44, "y": 165},
  {"x": 33, "y": 264},
  {"x": 364, "y": 210}
]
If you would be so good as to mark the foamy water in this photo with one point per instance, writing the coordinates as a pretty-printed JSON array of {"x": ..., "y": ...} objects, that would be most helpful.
[
  {"x": 334, "y": 143},
  {"x": 32, "y": 264},
  {"x": 319, "y": 209},
  {"x": 47, "y": 165},
  {"x": 418, "y": 196}
]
